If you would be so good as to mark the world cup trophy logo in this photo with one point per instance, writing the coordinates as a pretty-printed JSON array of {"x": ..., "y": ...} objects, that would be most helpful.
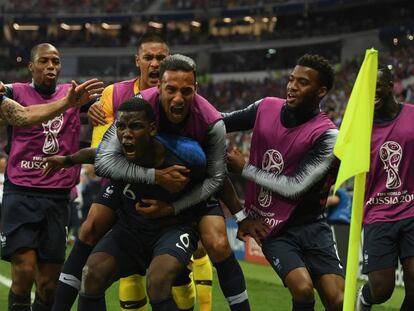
[
  {"x": 273, "y": 163},
  {"x": 51, "y": 130},
  {"x": 391, "y": 154}
]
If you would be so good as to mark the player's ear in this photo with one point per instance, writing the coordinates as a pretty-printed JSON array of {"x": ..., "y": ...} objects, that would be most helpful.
[
  {"x": 153, "y": 128},
  {"x": 30, "y": 67},
  {"x": 323, "y": 90}
]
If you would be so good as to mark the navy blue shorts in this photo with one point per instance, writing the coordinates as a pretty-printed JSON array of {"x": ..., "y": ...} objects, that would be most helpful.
[
  {"x": 34, "y": 222},
  {"x": 385, "y": 242},
  {"x": 310, "y": 246},
  {"x": 133, "y": 251}
]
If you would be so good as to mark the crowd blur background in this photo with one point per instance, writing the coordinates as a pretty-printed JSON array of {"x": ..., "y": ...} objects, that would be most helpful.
[{"x": 244, "y": 49}]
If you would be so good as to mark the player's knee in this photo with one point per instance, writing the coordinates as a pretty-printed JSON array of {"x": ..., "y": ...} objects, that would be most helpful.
[
  {"x": 217, "y": 247},
  {"x": 381, "y": 292},
  {"x": 24, "y": 271},
  {"x": 93, "y": 280},
  {"x": 302, "y": 292},
  {"x": 159, "y": 284}
]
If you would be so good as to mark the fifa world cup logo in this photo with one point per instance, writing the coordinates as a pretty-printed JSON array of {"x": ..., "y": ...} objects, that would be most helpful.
[
  {"x": 272, "y": 163},
  {"x": 391, "y": 154},
  {"x": 51, "y": 130}
]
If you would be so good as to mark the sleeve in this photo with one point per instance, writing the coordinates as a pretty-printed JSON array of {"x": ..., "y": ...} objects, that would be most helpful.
[
  {"x": 312, "y": 169},
  {"x": 109, "y": 196},
  {"x": 241, "y": 120},
  {"x": 215, "y": 150},
  {"x": 106, "y": 104},
  {"x": 111, "y": 163}
]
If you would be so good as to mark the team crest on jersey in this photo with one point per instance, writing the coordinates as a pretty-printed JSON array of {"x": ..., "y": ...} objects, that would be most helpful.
[
  {"x": 51, "y": 130},
  {"x": 273, "y": 163},
  {"x": 391, "y": 154},
  {"x": 108, "y": 191}
]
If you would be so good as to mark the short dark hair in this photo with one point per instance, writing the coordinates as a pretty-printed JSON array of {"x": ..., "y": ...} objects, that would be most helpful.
[
  {"x": 137, "y": 104},
  {"x": 386, "y": 72},
  {"x": 321, "y": 65},
  {"x": 34, "y": 49},
  {"x": 178, "y": 62},
  {"x": 151, "y": 37}
]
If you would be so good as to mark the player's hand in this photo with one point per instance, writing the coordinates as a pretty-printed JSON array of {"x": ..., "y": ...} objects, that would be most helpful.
[
  {"x": 256, "y": 228},
  {"x": 96, "y": 115},
  {"x": 235, "y": 161},
  {"x": 53, "y": 164},
  {"x": 82, "y": 94},
  {"x": 173, "y": 178},
  {"x": 154, "y": 208}
]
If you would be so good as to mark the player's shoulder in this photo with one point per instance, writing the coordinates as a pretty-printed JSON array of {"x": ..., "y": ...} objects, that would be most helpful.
[{"x": 187, "y": 149}]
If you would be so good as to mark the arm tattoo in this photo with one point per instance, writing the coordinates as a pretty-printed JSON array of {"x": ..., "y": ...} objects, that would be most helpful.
[{"x": 13, "y": 113}]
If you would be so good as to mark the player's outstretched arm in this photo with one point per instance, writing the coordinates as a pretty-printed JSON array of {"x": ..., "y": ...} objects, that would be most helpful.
[
  {"x": 241, "y": 120},
  {"x": 54, "y": 163},
  {"x": 314, "y": 166},
  {"x": 16, "y": 115}
]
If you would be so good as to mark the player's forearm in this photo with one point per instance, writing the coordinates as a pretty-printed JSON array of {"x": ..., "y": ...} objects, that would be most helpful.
[
  {"x": 83, "y": 156},
  {"x": 229, "y": 197},
  {"x": 17, "y": 115},
  {"x": 111, "y": 163},
  {"x": 215, "y": 150},
  {"x": 312, "y": 169}
]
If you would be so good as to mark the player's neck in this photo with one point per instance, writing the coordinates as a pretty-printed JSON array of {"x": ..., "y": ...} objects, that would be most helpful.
[
  {"x": 389, "y": 110},
  {"x": 295, "y": 117},
  {"x": 44, "y": 90}
]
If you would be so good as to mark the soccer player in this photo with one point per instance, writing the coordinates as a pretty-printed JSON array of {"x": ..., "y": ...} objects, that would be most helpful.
[
  {"x": 180, "y": 110},
  {"x": 152, "y": 49},
  {"x": 389, "y": 207},
  {"x": 136, "y": 243},
  {"x": 289, "y": 174},
  {"x": 34, "y": 212}
]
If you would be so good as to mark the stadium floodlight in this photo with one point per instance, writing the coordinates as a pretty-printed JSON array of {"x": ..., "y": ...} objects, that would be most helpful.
[
  {"x": 227, "y": 20},
  {"x": 195, "y": 24},
  {"x": 155, "y": 25},
  {"x": 107, "y": 26},
  {"x": 70, "y": 27},
  {"x": 20, "y": 27}
]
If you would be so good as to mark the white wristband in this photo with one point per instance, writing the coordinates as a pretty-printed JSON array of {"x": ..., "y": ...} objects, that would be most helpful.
[{"x": 240, "y": 216}]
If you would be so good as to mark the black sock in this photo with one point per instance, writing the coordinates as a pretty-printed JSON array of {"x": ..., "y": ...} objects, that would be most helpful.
[
  {"x": 40, "y": 305},
  {"x": 89, "y": 303},
  {"x": 19, "y": 303},
  {"x": 164, "y": 305},
  {"x": 232, "y": 283},
  {"x": 303, "y": 306},
  {"x": 69, "y": 279},
  {"x": 407, "y": 305},
  {"x": 366, "y": 295}
]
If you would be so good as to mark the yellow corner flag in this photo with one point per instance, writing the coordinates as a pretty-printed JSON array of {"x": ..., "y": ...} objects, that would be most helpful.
[{"x": 353, "y": 147}]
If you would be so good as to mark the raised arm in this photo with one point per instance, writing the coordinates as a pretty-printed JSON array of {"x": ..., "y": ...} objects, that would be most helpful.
[
  {"x": 17, "y": 115},
  {"x": 314, "y": 166}
]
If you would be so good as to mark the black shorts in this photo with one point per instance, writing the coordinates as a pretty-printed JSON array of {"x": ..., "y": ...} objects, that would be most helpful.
[
  {"x": 134, "y": 251},
  {"x": 34, "y": 222},
  {"x": 385, "y": 242},
  {"x": 310, "y": 246}
]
